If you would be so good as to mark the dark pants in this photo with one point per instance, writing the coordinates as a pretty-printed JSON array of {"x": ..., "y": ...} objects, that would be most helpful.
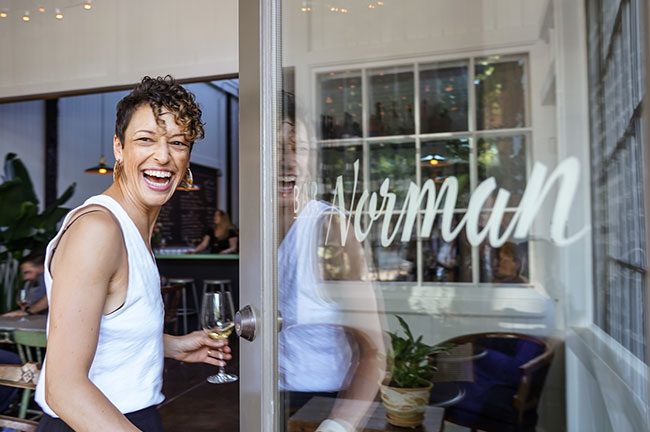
[{"x": 147, "y": 420}]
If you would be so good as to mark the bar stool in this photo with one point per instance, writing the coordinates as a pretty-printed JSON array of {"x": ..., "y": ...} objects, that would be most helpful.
[
  {"x": 185, "y": 310},
  {"x": 220, "y": 284}
]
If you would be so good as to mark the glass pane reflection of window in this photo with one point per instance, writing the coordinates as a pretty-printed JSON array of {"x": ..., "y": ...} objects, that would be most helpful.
[
  {"x": 395, "y": 161},
  {"x": 337, "y": 160},
  {"x": 443, "y": 97},
  {"x": 398, "y": 261},
  {"x": 507, "y": 264},
  {"x": 391, "y": 99},
  {"x": 500, "y": 93},
  {"x": 340, "y": 104},
  {"x": 446, "y": 261},
  {"x": 504, "y": 158},
  {"x": 442, "y": 159}
]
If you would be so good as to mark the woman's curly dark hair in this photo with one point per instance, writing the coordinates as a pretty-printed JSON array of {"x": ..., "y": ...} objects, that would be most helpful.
[{"x": 159, "y": 93}]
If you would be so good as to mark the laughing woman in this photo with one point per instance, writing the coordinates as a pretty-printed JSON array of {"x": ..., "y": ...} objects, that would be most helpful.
[{"x": 104, "y": 363}]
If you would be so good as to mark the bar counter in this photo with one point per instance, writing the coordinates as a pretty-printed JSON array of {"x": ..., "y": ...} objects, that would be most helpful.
[{"x": 200, "y": 267}]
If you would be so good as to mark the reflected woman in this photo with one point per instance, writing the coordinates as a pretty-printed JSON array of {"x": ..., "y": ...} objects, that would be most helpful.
[
  {"x": 331, "y": 343},
  {"x": 104, "y": 363}
]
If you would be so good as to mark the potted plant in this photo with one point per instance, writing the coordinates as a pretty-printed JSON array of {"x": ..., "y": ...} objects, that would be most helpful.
[
  {"x": 23, "y": 229},
  {"x": 406, "y": 395}
]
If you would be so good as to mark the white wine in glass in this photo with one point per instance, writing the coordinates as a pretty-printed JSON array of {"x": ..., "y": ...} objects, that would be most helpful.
[{"x": 217, "y": 320}]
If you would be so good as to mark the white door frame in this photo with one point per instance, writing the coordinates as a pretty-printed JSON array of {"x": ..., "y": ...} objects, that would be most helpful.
[{"x": 257, "y": 170}]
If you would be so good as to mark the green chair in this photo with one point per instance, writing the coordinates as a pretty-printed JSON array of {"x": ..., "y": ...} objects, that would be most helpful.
[{"x": 30, "y": 346}]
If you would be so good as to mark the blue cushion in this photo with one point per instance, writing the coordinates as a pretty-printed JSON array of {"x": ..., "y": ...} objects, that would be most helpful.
[{"x": 497, "y": 378}]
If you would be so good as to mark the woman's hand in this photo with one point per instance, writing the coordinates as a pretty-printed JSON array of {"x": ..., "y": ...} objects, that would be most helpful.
[{"x": 197, "y": 347}]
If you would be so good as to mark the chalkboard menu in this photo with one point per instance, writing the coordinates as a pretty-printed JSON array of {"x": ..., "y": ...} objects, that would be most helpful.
[{"x": 187, "y": 214}]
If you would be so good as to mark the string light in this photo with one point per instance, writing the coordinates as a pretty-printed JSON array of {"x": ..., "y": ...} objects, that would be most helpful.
[{"x": 87, "y": 5}]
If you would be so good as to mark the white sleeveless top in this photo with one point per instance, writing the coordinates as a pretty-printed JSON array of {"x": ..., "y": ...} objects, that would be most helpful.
[
  {"x": 315, "y": 353},
  {"x": 128, "y": 363}
]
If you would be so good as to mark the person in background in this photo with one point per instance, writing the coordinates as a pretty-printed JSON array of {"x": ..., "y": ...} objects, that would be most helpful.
[
  {"x": 221, "y": 238},
  {"x": 105, "y": 349},
  {"x": 31, "y": 269}
]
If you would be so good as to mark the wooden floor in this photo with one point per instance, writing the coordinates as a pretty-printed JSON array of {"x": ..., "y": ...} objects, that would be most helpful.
[{"x": 194, "y": 405}]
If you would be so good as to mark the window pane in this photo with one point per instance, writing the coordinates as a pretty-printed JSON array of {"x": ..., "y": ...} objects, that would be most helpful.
[
  {"x": 390, "y": 101},
  {"x": 446, "y": 261},
  {"x": 336, "y": 160},
  {"x": 500, "y": 93},
  {"x": 394, "y": 161},
  {"x": 397, "y": 262},
  {"x": 504, "y": 158},
  {"x": 446, "y": 158},
  {"x": 443, "y": 97},
  {"x": 507, "y": 264},
  {"x": 340, "y": 104}
]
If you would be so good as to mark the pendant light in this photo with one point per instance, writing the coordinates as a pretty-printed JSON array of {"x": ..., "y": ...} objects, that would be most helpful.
[{"x": 102, "y": 168}]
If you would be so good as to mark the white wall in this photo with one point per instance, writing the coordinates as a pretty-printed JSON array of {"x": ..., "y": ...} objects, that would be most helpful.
[
  {"x": 22, "y": 128},
  {"x": 116, "y": 43}
]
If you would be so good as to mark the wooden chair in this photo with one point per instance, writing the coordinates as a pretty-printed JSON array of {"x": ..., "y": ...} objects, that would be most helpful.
[
  {"x": 172, "y": 295},
  {"x": 24, "y": 377},
  {"x": 30, "y": 346},
  {"x": 508, "y": 375}
]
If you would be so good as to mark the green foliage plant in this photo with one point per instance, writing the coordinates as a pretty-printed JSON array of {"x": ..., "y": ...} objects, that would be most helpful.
[
  {"x": 410, "y": 366},
  {"x": 23, "y": 230}
]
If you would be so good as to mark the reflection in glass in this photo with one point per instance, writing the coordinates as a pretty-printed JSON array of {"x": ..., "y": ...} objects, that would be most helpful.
[
  {"x": 507, "y": 264},
  {"x": 443, "y": 97},
  {"x": 336, "y": 161},
  {"x": 340, "y": 104},
  {"x": 397, "y": 262},
  {"x": 442, "y": 159},
  {"x": 500, "y": 93},
  {"x": 391, "y": 99},
  {"x": 504, "y": 158},
  {"x": 395, "y": 161},
  {"x": 446, "y": 261}
]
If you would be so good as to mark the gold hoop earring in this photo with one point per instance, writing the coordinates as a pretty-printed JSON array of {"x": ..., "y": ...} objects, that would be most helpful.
[
  {"x": 117, "y": 170},
  {"x": 188, "y": 179}
]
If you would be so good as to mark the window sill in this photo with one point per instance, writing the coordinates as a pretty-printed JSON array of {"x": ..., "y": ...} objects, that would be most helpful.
[{"x": 510, "y": 301}]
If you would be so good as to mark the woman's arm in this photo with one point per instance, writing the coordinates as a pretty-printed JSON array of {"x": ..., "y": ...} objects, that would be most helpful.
[
  {"x": 205, "y": 242},
  {"x": 93, "y": 245},
  {"x": 232, "y": 246}
]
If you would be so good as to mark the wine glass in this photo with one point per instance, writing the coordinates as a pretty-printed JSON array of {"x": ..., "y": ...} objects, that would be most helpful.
[
  {"x": 217, "y": 320},
  {"x": 22, "y": 301}
]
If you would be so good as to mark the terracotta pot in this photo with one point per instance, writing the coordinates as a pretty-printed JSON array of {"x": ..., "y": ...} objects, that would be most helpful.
[{"x": 405, "y": 406}]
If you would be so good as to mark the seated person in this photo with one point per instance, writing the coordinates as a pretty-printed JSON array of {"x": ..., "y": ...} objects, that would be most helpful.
[
  {"x": 221, "y": 238},
  {"x": 31, "y": 269}
]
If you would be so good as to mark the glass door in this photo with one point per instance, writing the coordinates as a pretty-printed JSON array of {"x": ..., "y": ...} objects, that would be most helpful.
[{"x": 443, "y": 201}]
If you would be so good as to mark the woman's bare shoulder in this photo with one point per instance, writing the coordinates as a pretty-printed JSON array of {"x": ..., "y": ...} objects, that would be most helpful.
[{"x": 92, "y": 233}]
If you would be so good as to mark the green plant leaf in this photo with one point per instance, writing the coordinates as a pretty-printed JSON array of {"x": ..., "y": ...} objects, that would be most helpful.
[
  {"x": 15, "y": 169},
  {"x": 410, "y": 358},
  {"x": 405, "y": 326}
]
